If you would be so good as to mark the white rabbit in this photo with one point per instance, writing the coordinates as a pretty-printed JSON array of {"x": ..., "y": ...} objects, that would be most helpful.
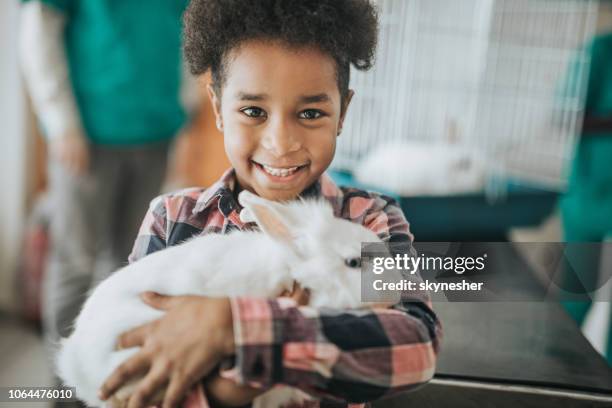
[
  {"x": 412, "y": 168},
  {"x": 301, "y": 241}
]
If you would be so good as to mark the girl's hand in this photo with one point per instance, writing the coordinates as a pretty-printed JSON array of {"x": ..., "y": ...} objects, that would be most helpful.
[
  {"x": 299, "y": 294},
  {"x": 177, "y": 350},
  {"x": 222, "y": 392}
]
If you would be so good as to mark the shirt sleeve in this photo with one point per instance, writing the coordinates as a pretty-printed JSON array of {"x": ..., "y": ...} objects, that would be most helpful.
[
  {"x": 153, "y": 230},
  {"x": 349, "y": 355},
  {"x": 45, "y": 67}
]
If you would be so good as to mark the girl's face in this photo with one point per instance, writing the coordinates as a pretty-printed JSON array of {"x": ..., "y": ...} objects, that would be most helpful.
[{"x": 280, "y": 114}]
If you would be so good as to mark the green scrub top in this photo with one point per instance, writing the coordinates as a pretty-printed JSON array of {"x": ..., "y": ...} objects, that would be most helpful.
[
  {"x": 587, "y": 206},
  {"x": 125, "y": 65}
]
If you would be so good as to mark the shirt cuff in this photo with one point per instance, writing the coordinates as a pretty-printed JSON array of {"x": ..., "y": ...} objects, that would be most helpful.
[
  {"x": 258, "y": 339},
  {"x": 60, "y": 117}
]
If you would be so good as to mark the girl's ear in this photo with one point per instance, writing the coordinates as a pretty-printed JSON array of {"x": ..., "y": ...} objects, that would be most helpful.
[
  {"x": 345, "y": 104},
  {"x": 215, "y": 101},
  {"x": 274, "y": 219}
]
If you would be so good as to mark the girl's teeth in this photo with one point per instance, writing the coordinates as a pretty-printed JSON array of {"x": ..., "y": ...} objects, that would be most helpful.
[{"x": 279, "y": 172}]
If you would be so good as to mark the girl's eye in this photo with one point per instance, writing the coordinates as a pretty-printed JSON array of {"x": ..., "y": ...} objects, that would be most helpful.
[
  {"x": 253, "y": 112},
  {"x": 353, "y": 262},
  {"x": 311, "y": 114}
]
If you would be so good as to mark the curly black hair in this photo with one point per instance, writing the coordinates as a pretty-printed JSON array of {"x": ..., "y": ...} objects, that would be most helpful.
[{"x": 345, "y": 29}]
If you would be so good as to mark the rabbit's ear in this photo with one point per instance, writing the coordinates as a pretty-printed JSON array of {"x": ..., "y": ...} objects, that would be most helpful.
[{"x": 273, "y": 218}]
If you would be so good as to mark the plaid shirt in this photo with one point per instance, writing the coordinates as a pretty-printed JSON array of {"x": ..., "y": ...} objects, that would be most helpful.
[{"x": 343, "y": 355}]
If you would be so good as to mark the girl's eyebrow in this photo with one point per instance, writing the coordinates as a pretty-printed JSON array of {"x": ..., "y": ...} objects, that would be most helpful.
[
  {"x": 243, "y": 96},
  {"x": 305, "y": 99},
  {"x": 322, "y": 97}
]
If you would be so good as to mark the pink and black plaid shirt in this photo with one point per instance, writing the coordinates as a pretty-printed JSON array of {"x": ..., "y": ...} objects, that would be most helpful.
[{"x": 351, "y": 356}]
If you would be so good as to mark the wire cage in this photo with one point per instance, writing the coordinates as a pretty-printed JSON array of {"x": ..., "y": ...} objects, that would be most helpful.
[{"x": 488, "y": 76}]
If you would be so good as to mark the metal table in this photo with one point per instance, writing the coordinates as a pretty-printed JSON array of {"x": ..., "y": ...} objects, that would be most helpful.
[{"x": 512, "y": 354}]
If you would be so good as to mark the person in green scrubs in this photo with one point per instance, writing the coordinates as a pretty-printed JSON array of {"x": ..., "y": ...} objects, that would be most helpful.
[
  {"x": 586, "y": 208},
  {"x": 109, "y": 88}
]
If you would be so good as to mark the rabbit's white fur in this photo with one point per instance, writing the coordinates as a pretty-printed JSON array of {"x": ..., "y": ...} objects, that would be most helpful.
[{"x": 301, "y": 241}]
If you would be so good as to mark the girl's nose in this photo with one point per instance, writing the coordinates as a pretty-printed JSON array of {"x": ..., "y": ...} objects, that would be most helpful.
[{"x": 281, "y": 138}]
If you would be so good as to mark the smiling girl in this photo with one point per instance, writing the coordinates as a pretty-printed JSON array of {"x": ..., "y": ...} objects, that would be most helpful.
[{"x": 280, "y": 93}]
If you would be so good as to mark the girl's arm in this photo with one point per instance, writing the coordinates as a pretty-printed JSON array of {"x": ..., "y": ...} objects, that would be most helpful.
[{"x": 354, "y": 356}]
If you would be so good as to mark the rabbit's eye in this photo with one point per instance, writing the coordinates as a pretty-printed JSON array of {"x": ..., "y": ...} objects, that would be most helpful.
[{"x": 353, "y": 262}]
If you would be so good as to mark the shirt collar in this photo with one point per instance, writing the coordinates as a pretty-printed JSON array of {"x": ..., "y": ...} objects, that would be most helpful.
[
  {"x": 221, "y": 187},
  {"x": 224, "y": 187}
]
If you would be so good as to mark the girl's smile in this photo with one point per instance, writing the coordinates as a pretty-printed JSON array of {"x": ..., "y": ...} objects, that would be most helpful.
[{"x": 280, "y": 173}]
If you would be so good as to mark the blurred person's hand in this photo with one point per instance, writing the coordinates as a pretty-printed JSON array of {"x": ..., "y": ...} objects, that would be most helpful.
[{"x": 72, "y": 150}]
